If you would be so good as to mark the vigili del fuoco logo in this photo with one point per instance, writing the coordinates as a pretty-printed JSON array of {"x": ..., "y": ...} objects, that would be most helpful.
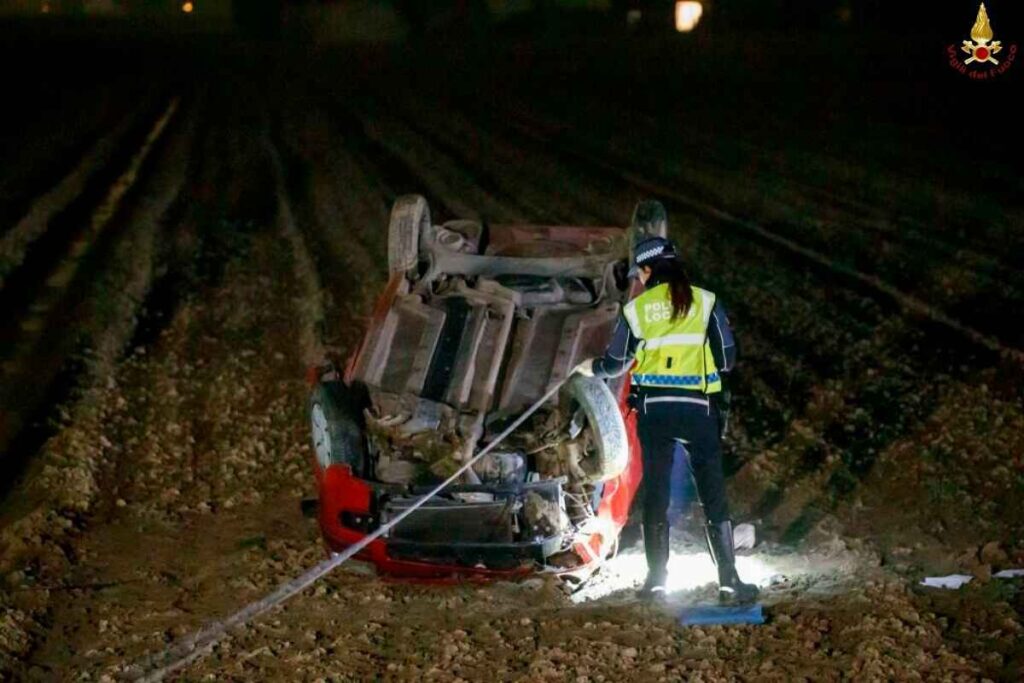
[{"x": 981, "y": 62}]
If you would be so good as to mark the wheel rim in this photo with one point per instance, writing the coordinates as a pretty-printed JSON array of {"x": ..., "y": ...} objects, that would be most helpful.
[{"x": 321, "y": 436}]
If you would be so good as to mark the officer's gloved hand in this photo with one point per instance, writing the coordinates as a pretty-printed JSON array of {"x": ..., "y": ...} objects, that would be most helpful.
[{"x": 586, "y": 368}]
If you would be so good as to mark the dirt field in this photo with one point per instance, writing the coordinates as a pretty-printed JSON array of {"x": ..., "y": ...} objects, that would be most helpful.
[{"x": 179, "y": 257}]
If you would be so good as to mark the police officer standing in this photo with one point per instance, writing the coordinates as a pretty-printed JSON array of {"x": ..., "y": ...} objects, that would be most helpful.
[{"x": 680, "y": 338}]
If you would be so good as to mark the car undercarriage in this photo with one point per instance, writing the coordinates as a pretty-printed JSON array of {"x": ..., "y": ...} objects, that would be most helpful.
[{"x": 477, "y": 323}]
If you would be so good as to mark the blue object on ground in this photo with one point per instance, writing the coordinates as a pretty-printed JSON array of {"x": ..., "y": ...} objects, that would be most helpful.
[{"x": 699, "y": 615}]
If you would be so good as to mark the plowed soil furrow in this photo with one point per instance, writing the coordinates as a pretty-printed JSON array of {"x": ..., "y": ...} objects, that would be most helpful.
[
  {"x": 493, "y": 169},
  {"x": 815, "y": 183},
  {"x": 16, "y": 240},
  {"x": 957, "y": 281},
  {"x": 66, "y": 126},
  {"x": 665, "y": 111},
  {"x": 52, "y": 262},
  {"x": 62, "y": 309},
  {"x": 387, "y": 168},
  {"x": 507, "y": 167},
  {"x": 342, "y": 211},
  {"x": 158, "y": 431}
]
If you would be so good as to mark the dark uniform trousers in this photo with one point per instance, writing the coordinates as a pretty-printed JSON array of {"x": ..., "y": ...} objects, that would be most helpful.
[{"x": 664, "y": 421}]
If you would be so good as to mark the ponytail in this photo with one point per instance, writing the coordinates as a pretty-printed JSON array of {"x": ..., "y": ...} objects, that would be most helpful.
[{"x": 672, "y": 273}]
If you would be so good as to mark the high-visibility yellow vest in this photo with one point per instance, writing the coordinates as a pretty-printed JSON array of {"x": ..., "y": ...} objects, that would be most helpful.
[{"x": 673, "y": 353}]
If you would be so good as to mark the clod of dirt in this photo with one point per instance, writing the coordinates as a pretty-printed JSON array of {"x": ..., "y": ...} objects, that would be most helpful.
[
  {"x": 992, "y": 553},
  {"x": 983, "y": 573}
]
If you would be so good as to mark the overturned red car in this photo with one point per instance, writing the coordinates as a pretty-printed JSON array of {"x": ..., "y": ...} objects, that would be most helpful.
[{"x": 477, "y": 322}]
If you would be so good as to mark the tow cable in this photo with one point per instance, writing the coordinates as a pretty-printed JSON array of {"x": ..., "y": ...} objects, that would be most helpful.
[{"x": 200, "y": 643}]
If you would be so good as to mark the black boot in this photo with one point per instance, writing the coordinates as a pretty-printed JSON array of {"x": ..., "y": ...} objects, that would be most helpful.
[
  {"x": 656, "y": 549},
  {"x": 720, "y": 544}
]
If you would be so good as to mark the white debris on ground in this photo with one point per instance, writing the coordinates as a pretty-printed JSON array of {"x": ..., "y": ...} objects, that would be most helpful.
[{"x": 954, "y": 581}]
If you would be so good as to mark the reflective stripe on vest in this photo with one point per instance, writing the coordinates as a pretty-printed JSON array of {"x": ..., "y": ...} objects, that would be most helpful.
[
  {"x": 688, "y": 381},
  {"x": 673, "y": 353}
]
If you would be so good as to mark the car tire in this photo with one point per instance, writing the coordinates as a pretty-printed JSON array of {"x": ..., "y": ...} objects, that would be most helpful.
[
  {"x": 337, "y": 426},
  {"x": 408, "y": 228},
  {"x": 605, "y": 421},
  {"x": 649, "y": 219}
]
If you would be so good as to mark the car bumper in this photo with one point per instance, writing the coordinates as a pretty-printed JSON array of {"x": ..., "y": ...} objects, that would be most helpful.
[
  {"x": 346, "y": 507},
  {"x": 344, "y": 513}
]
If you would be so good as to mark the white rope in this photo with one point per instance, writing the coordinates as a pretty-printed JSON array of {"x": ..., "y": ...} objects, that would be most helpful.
[{"x": 198, "y": 644}]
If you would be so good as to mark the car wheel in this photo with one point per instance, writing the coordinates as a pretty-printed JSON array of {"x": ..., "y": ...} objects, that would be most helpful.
[
  {"x": 610, "y": 452},
  {"x": 408, "y": 227},
  {"x": 336, "y": 423},
  {"x": 649, "y": 219}
]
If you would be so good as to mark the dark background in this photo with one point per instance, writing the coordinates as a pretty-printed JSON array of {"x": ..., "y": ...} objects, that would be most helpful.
[{"x": 884, "y": 60}]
